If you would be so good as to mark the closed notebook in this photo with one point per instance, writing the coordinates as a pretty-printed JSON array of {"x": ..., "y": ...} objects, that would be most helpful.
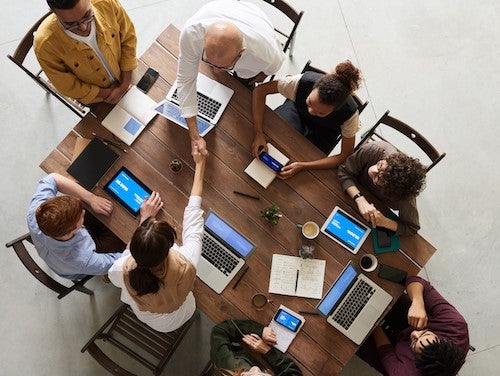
[
  {"x": 260, "y": 172},
  {"x": 92, "y": 163}
]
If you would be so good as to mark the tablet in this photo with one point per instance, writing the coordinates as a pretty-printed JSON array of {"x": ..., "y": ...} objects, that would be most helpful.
[
  {"x": 345, "y": 230},
  {"x": 128, "y": 190}
]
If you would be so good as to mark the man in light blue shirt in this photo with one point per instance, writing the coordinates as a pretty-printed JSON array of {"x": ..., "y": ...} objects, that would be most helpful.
[{"x": 59, "y": 236}]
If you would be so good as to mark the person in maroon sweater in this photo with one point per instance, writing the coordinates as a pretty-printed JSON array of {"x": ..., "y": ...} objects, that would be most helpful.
[{"x": 433, "y": 341}]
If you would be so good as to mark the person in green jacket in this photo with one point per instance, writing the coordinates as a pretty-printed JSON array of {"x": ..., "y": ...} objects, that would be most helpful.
[{"x": 231, "y": 358}]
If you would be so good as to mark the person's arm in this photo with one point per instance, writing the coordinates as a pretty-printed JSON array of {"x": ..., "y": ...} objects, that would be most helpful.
[
  {"x": 259, "y": 95},
  {"x": 99, "y": 205},
  {"x": 115, "y": 92},
  {"x": 417, "y": 315},
  {"x": 150, "y": 207}
]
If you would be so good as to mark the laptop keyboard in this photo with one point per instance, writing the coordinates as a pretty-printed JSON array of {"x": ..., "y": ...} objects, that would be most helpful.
[
  {"x": 217, "y": 255},
  {"x": 207, "y": 106},
  {"x": 352, "y": 306}
]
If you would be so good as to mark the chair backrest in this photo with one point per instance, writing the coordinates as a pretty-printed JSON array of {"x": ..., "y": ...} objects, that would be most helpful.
[
  {"x": 422, "y": 143},
  {"x": 19, "y": 57},
  {"x": 309, "y": 68},
  {"x": 39, "y": 273},
  {"x": 126, "y": 332}
]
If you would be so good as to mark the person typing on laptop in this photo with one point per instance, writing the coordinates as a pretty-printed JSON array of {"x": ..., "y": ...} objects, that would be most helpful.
[
  {"x": 430, "y": 337},
  {"x": 226, "y": 35},
  {"x": 393, "y": 177},
  {"x": 70, "y": 240},
  {"x": 320, "y": 106},
  {"x": 156, "y": 276}
]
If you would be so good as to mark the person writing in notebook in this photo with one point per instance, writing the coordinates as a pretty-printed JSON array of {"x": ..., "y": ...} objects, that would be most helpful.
[
  {"x": 156, "y": 276},
  {"x": 320, "y": 106},
  {"x": 232, "y": 359},
  {"x": 71, "y": 241},
  {"x": 227, "y": 36},
  {"x": 87, "y": 49},
  {"x": 393, "y": 177}
]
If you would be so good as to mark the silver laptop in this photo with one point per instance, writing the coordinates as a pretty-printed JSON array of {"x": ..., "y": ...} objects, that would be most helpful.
[
  {"x": 213, "y": 98},
  {"x": 353, "y": 304},
  {"x": 224, "y": 252}
]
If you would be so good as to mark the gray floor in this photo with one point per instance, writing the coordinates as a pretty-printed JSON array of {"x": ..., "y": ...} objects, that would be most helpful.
[{"x": 433, "y": 64}]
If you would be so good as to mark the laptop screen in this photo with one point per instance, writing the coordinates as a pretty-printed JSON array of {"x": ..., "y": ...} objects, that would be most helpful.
[
  {"x": 228, "y": 235},
  {"x": 346, "y": 230},
  {"x": 336, "y": 292}
]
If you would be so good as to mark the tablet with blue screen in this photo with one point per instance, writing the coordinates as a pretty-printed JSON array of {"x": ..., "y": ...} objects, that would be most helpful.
[
  {"x": 128, "y": 190},
  {"x": 345, "y": 230}
]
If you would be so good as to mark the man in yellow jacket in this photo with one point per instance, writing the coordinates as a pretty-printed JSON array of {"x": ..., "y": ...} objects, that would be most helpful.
[{"x": 87, "y": 49}]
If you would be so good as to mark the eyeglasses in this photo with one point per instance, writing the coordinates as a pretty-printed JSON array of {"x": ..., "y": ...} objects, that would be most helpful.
[
  {"x": 227, "y": 69},
  {"x": 86, "y": 19}
]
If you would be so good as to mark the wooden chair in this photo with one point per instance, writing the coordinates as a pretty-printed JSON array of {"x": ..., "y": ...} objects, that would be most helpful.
[
  {"x": 19, "y": 57},
  {"x": 38, "y": 273},
  {"x": 420, "y": 141},
  {"x": 309, "y": 68},
  {"x": 126, "y": 332}
]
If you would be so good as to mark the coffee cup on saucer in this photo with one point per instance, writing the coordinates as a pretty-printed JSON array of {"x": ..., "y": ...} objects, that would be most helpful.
[
  {"x": 368, "y": 263},
  {"x": 259, "y": 300},
  {"x": 310, "y": 230}
]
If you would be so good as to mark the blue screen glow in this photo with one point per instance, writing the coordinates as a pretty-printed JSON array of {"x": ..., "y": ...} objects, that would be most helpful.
[
  {"x": 345, "y": 230},
  {"x": 228, "y": 234},
  {"x": 128, "y": 190},
  {"x": 333, "y": 296}
]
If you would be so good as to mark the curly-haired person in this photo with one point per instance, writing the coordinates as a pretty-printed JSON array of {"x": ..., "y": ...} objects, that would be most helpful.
[{"x": 393, "y": 177}]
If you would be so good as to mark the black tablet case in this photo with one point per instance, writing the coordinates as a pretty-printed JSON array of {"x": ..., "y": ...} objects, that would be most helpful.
[{"x": 92, "y": 163}]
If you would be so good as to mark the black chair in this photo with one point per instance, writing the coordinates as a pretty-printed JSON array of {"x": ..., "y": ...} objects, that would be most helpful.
[
  {"x": 423, "y": 144},
  {"x": 19, "y": 57},
  {"x": 127, "y": 333},
  {"x": 38, "y": 273},
  {"x": 309, "y": 68}
]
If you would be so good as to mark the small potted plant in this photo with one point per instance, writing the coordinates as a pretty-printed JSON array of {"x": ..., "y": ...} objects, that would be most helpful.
[
  {"x": 271, "y": 214},
  {"x": 175, "y": 165}
]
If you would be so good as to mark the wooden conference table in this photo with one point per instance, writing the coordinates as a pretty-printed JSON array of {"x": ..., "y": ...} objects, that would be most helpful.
[{"x": 319, "y": 349}]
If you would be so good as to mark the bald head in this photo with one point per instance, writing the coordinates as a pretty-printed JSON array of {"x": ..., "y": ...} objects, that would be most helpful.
[{"x": 223, "y": 43}]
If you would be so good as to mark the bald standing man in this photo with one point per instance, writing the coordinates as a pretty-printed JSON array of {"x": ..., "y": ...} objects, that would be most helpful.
[{"x": 227, "y": 35}]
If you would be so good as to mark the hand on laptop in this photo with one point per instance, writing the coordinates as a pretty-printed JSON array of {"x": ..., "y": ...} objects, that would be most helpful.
[{"x": 151, "y": 206}]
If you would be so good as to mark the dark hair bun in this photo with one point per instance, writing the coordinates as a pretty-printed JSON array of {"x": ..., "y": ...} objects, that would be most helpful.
[{"x": 349, "y": 75}]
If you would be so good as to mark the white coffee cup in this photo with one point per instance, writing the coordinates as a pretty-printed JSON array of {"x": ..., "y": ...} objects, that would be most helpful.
[
  {"x": 368, "y": 263},
  {"x": 310, "y": 230}
]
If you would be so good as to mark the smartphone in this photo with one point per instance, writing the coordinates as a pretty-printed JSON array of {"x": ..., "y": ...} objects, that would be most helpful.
[
  {"x": 270, "y": 161},
  {"x": 384, "y": 237},
  {"x": 147, "y": 80},
  {"x": 392, "y": 274},
  {"x": 287, "y": 320}
]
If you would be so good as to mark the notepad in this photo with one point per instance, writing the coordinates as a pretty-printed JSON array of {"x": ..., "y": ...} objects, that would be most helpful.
[
  {"x": 260, "y": 172},
  {"x": 285, "y": 336},
  {"x": 296, "y": 276},
  {"x": 130, "y": 115},
  {"x": 92, "y": 163}
]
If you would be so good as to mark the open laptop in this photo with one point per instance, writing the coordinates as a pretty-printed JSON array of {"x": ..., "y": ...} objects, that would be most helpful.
[
  {"x": 213, "y": 98},
  {"x": 353, "y": 304},
  {"x": 224, "y": 252}
]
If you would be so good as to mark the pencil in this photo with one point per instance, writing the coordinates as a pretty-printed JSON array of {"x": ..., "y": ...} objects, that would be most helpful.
[
  {"x": 246, "y": 195},
  {"x": 240, "y": 277}
]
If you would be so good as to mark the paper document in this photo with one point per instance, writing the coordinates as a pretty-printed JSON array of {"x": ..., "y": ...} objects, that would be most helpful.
[
  {"x": 285, "y": 336},
  {"x": 130, "y": 115},
  {"x": 296, "y": 276},
  {"x": 260, "y": 172}
]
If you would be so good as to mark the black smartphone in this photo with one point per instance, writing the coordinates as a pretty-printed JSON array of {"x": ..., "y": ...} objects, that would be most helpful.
[
  {"x": 270, "y": 161},
  {"x": 392, "y": 274},
  {"x": 147, "y": 80},
  {"x": 384, "y": 237},
  {"x": 286, "y": 319}
]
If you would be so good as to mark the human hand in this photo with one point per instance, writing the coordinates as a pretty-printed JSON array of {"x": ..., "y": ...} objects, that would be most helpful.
[
  {"x": 367, "y": 210},
  {"x": 199, "y": 151},
  {"x": 256, "y": 343},
  {"x": 269, "y": 336},
  {"x": 258, "y": 141},
  {"x": 417, "y": 316},
  {"x": 116, "y": 93},
  {"x": 259, "y": 78},
  {"x": 101, "y": 205},
  {"x": 289, "y": 170},
  {"x": 151, "y": 206}
]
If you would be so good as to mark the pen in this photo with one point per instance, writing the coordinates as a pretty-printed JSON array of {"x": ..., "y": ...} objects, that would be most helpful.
[
  {"x": 246, "y": 195},
  {"x": 236, "y": 326},
  {"x": 309, "y": 313},
  {"x": 111, "y": 142},
  {"x": 240, "y": 277},
  {"x": 297, "y": 280}
]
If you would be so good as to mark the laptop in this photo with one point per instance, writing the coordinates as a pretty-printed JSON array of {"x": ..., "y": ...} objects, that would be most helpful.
[
  {"x": 353, "y": 304},
  {"x": 345, "y": 230},
  {"x": 223, "y": 254},
  {"x": 213, "y": 98}
]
